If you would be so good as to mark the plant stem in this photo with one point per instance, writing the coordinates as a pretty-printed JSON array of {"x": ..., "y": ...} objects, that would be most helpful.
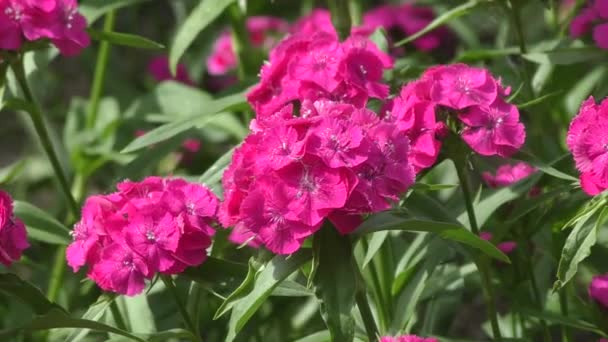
[
  {"x": 340, "y": 17},
  {"x": 182, "y": 309},
  {"x": 57, "y": 274},
  {"x": 240, "y": 42},
  {"x": 366, "y": 315},
  {"x": 563, "y": 305},
  {"x": 383, "y": 312},
  {"x": 537, "y": 297},
  {"x": 521, "y": 39},
  {"x": 40, "y": 127},
  {"x": 100, "y": 72},
  {"x": 481, "y": 262}
]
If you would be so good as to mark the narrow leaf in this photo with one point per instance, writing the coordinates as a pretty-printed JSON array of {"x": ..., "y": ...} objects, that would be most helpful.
[
  {"x": 42, "y": 226},
  {"x": 125, "y": 39}
]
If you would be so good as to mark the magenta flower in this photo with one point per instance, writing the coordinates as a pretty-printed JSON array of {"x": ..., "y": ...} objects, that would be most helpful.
[
  {"x": 493, "y": 130},
  {"x": 158, "y": 67},
  {"x": 598, "y": 289},
  {"x": 587, "y": 140},
  {"x": 13, "y": 236},
  {"x": 156, "y": 225},
  {"x": 70, "y": 34},
  {"x": 11, "y": 16},
  {"x": 339, "y": 143},
  {"x": 459, "y": 86},
  {"x": 593, "y": 18},
  {"x": 508, "y": 174},
  {"x": 407, "y": 338}
]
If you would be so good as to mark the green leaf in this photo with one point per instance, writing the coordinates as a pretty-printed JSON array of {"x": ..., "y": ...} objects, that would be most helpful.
[
  {"x": 454, "y": 13},
  {"x": 554, "y": 318},
  {"x": 379, "y": 38},
  {"x": 578, "y": 246},
  {"x": 217, "y": 272},
  {"x": 8, "y": 173},
  {"x": 336, "y": 282},
  {"x": 273, "y": 273},
  {"x": 539, "y": 99},
  {"x": 94, "y": 9},
  {"x": 125, "y": 39},
  {"x": 448, "y": 231},
  {"x": 137, "y": 313},
  {"x": 565, "y": 56},
  {"x": 200, "y": 17},
  {"x": 172, "y": 129},
  {"x": 42, "y": 226},
  {"x": 483, "y": 54},
  {"x": 320, "y": 336},
  {"x": 214, "y": 173},
  {"x": 374, "y": 246},
  {"x": 15, "y": 287},
  {"x": 95, "y": 312}
]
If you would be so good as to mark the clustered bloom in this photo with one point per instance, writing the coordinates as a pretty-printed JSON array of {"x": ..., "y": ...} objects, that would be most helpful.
[
  {"x": 407, "y": 338},
  {"x": 598, "y": 289},
  {"x": 491, "y": 126},
  {"x": 404, "y": 20},
  {"x": 315, "y": 150},
  {"x": 593, "y": 18},
  {"x": 506, "y": 247},
  {"x": 508, "y": 174},
  {"x": 157, "y": 225},
  {"x": 13, "y": 236},
  {"x": 32, "y": 20},
  {"x": 264, "y": 33},
  {"x": 588, "y": 141}
]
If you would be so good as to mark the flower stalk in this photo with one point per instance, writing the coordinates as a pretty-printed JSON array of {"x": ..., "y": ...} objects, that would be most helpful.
[{"x": 168, "y": 281}]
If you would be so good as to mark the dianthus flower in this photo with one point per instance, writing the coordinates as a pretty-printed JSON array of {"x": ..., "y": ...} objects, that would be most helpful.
[
  {"x": 508, "y": 174},
  {"x": 588, "y": 141},
  {"x": 407, "y": 338},
  {"x": 405, "y": 20},
  {"x": 56, "y": 20},
  {"x": 506, "y": 247},
  {"x": 598, "y": 289},
  {"x": 158, "y": 68},
  {"x": 13, "y": 236},
  {"x": 264, "y": 33},
  {"x": 157, "y": 225},
  {"x": 593, "y": 18}
]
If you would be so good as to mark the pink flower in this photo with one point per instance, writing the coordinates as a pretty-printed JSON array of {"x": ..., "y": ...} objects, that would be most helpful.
[
  {"x": 506, "y": 247},
  {"x": 407, "y": 338},
  {"x": 598, "y": 289},
  {"x": 158, "y": 67},
  {"x": 317, "y": 20},
  {"x": 508, "y": 174},
  {"x": 339, "y": 143},
  {"x": 11, "y": 36},
  {"x": 320, "y": 64},
  {"x": 582, "y": 23},
  {"x": 587, "y": 140},
  {"x": 593, "y": 18},
  {"x": 13, "y": 236},
  {"x": 70, "y": 34},
  {"x": 600, "y": 36},
  {"x": 494, "y": 129},
  {"x": 157, "y": 225},
  {"x": 459, "y": 86}
]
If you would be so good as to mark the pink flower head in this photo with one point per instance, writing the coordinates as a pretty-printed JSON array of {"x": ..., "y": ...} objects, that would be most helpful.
[
  {"x": 593, "y": 18},
  {"x": 319, "y": 20},
  {"x": 158, "y": 67},
  {"x": 582, "y": 23},
  {"x": 13, "y": 236},
  {"x": 508, "y": 174},
  {"x": 459, "y": 86},
  {"x": 407, "y": 338},
  {"x": 506, "y": 247},
  {"x": 157, "y": 225},
  {"x": 598, "y": 289},
  {"x": 11, "y": 17},
  {"x": 70, "y": 34},
  {"x": 494, "y": 129},
  {"x": 587, "y": 140},
  {"x": 263, "y": 32},
  {"x": 600, "y": 36}
]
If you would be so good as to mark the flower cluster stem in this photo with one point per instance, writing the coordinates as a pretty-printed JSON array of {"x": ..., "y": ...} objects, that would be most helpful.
[
  {"x": 100, "y": 72},
  {"x": 240, "y": 42},
  {"x": 180, "y": 305},
  {"x": 366, "y": 315},
  {"x": 43, "y": 134}
]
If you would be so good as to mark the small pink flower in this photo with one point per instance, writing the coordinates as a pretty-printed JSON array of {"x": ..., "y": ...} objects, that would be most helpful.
[
  {"x": 598, "y": 289},
  {"x": 13, "y": 236},
  {"x": 494, "y": 129},
  {"x": 158, "y": 67},
  {"x": 582, "y": 23},
  {"x": 506, "y": 247},
  {"x": 508, "y": 174},
  {"x": 407, "y": 338},
  {"x": 459, "y": 86},
  {"x": 120, "y": 270},
  {"x": 600, "y": 35},
  {"x": 70, "y": 35},
  {"x": 11, "y": 13}
]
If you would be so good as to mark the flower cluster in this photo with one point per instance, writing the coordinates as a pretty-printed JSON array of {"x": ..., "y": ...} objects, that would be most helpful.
[
  {"x": 157, "y": 225},
  {"x": 315, "y": 150},
  {"x": 264, "y": 33},
  {"x": 598, "y": 289},
  {"x": 588, "y": 141},
  {"x": 406, "y": 338},
  {"x": 55, "y": 20},
  {"x": 593, "y": 18},
  {"x": 508, "y": 174},
  {"x": 491, "y": 126},
  {"x": 13, "y": 237},
  {"x": 405, "y": 20}
]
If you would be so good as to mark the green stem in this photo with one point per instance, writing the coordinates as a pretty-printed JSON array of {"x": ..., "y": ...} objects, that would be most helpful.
[
  {"x": 340, "y": 17},
  {"x": 57, "y": 274},
  {"x": 195, "y": 298},
  {"x": 466, "y": 192},
  {"x": 563, "y": 304},
  {"x": 356, "y": 15},
  {"x": 100, "y": 72},
  {"x": 383, "y": 313},
  {"x": 180, "y": 305},
  {"x": 521, "y": 40},
  {"x": 240, "y": 42},
  {"x": 40, "y": 127},
  {"x": 366, "y": 315},
  {"x": 537, "y": 297}
]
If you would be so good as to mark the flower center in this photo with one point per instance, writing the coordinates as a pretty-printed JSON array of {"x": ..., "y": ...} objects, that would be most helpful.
[
  {"x": 13, "y": 13},
  {"x": 150, "y": 236}
]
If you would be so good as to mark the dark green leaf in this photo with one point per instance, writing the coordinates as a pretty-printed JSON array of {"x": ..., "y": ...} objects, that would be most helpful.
[
  {"x": 125, "y": 39},
  {"x": 94, "y": 9},
  {"x": 200, "y": 17},
  {"x": 15, "y": 287},
  {"x": 567, "y": 55},
  {"x": 554, "y": 318},
  {"x": 94, "y": 313},
  {"x": 42, "y": 226},
  {"x": 539, "y": 99}
]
